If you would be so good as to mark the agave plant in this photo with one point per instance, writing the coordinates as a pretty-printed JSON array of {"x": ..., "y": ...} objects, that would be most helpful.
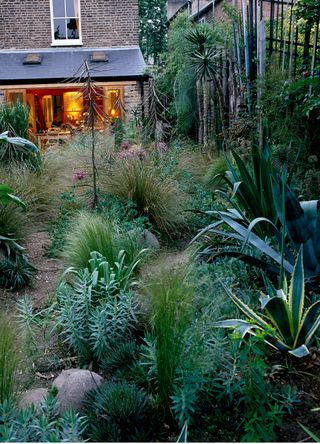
[
  {"x": 286, "y": 325},
  {"x": 17, "y": 148},
  {"x": 7, "y": 196},
  {"x": 299, "y": 221},
  {"x": 9, "y": 246},
  {"x": 252, "y": 188}
]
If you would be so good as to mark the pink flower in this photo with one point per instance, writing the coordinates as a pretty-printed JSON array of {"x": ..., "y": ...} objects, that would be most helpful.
[
  {"x": 125, "y": 145},
  {"x": 162, "y": 147},
  {"x": 79, "y": 175}
]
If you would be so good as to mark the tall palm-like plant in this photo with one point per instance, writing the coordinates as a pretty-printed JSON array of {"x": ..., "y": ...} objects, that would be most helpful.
[{"x": 203, "y": 61}]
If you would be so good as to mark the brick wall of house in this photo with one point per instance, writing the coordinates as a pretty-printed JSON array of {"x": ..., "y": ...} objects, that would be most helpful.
[
  {"x": 132, "y": 100},
  {"x": 27, "y": 23},
  {"x": 2, "y": 97}
]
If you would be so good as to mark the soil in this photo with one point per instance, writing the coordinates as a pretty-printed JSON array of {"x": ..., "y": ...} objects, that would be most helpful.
[
  {"x": 48, "y": 271},
  {"x": 303, "y": 375}
]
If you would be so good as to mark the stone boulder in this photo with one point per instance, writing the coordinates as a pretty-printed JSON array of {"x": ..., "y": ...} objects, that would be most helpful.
[
  {"x": 64, "y": 375},
  {"x": 33, "y": 396},
  {"x": 147, "y": 239},
  {"x": 73, "y": 386}
]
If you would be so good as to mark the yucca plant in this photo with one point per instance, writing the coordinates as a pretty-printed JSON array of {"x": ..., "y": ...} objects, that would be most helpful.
[{"x": 284, "y": 322}]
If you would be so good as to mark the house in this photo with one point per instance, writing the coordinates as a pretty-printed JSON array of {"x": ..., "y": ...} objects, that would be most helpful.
[
  {"x": 44, "y": 45},
  {"x": 199, "y": 10}
]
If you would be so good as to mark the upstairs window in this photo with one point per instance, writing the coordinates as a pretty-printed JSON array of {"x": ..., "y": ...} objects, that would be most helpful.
[{"x": 65, "y": 22}]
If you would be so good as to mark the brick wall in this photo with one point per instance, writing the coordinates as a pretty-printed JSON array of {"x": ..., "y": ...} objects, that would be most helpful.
[
  {"x": 27, "y": 23},
  {"x": 132, "y": 100}
]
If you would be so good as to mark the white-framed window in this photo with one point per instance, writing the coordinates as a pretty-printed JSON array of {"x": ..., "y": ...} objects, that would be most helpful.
[{"x": 65, "y": 22}]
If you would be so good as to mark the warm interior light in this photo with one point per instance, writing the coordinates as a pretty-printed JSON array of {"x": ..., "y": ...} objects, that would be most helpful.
[
  {"x": 73, "y": 105},
  {"x": 113, "y": 112}
]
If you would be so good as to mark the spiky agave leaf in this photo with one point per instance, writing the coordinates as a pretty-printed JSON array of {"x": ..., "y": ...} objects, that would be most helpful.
[{"x": 296, "y": 294}]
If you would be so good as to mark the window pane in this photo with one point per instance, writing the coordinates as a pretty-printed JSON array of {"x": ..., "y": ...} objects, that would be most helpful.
[
  {"x": 59, "y": 29},
  {"x": 58, "y": 8},
  {"x": 73, "y": 28},
  {"x": 72, "y": 8}
]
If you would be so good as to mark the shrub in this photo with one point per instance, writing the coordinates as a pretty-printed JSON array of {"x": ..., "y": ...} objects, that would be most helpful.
[
  {"x": 156, "y": 197},
  {"x": 94, "y": 312},
  {"x": 9, "y": 356},
  {"x": 120, "y": 357},
  {"x": 118, "y": 412},
  {"x": 16, "y": 274},
  {"x": 43, "y": 424},
  {"x": 15, "y": 119},
  {"x": 170, "y": 315},
  {"x": 90, "y": 232}
]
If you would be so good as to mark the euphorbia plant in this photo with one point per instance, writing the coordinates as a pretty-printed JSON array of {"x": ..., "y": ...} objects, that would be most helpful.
[{"x": 287, "y": 326}]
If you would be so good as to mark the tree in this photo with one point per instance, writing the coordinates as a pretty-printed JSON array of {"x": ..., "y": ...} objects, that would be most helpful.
[{"x": 153, "y": 28}]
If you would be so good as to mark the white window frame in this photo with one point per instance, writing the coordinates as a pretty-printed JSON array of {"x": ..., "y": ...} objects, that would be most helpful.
[{"x": 65, "y": 42}]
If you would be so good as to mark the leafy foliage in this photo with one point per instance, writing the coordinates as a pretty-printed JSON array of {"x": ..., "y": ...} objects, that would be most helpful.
[
  {"x": 17, "y": 148},
  {"x": 41, "y": 425},
  {"x": 96, "y": 308},
  {"x": 247, "y": 406},
  {"x": 153, "y": 28}
]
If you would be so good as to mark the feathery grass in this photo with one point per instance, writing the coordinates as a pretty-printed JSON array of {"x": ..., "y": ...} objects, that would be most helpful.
[
  {"x": 156, "y": 197},
  {"x": 90, "y": 232},
  {"x": 9, "y": 356}
]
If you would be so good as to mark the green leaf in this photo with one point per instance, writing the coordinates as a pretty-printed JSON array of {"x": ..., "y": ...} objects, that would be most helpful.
[
  {"x": 311, "y": 434},
  {"x": 245, "y": 308},
  {"x": 307, "y": 325},
  {"x": 300, "y": 352},
  {"x": 257, "y": 242},
  {"x": 184, "y": 433},
  {"x": 296, "y": 294},
  {"x": 278, "y": 313},
  {"x": 239, "y": 325}
]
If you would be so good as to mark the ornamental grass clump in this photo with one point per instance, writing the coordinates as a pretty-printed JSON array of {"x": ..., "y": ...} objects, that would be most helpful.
[
  {"x": 90, "y": 232},
  {"x": 118, "y": 412},
  {"x": 170, "y": 316},
  {"x": 9, "y": 357},
  {"x": 156, "y": 197}
]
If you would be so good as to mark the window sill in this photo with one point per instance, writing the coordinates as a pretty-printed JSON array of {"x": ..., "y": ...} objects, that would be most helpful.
[{"x": 67, "y": 43}]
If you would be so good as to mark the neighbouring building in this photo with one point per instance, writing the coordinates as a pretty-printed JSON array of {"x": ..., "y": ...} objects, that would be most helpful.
[
  {"x": 199, "y": 10},
  {"x": 44, "y": 45}
]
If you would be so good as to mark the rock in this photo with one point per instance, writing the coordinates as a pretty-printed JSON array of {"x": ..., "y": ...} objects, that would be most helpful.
[
  {"x": 64, "y": 375},
  {"x": 73, "y": 390},
  {"x": 33, "y": 396},
  {"x": 148, "y": 239}
]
